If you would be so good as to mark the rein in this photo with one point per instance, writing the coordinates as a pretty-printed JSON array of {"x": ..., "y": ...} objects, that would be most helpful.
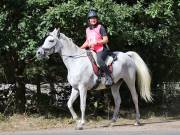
[
  {"x": 74, "y": 56},
  {"x": 67, "y": 56}
]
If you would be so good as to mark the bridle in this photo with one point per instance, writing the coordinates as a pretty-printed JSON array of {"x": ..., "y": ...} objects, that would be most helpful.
[
  {"x": 63, "y": 55},
  {"x": 51, "y": 48}
]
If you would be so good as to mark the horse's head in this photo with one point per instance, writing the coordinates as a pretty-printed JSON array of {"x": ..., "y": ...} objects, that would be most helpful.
[{"x": 51, "y": 45}]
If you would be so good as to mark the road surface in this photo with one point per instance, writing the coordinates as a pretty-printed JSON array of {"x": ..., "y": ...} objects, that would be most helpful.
[{"x": 157, "y": 128}]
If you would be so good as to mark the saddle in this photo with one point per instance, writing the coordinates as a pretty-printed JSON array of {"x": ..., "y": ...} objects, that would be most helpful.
[{"x": 96, "y": 68}]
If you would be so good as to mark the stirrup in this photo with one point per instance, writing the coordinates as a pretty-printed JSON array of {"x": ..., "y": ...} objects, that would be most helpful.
[
  {"x": 109, "y": 82},
  {"x": 114, "y": 57},
  {"x": 99, "y": 79}
]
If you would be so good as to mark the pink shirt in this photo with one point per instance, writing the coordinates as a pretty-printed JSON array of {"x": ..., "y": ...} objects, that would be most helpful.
[{"x": 93, "y": 36}]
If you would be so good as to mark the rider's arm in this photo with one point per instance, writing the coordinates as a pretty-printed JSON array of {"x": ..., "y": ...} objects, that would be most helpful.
[
  {"x": 104, "y": 40},
  {"x": 85, "y": 45},
  {"x": 104, "y": 35}
]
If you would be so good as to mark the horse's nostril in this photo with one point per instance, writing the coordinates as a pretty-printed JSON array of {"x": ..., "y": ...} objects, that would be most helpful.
[{"x": 39, "y": 52}]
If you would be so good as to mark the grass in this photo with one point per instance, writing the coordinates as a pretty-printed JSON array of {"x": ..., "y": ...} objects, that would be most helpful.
[
  {"x": 35, "y": 122},
  {"x": 19, "y": 122},
  {"x": 151, "y": 114}
]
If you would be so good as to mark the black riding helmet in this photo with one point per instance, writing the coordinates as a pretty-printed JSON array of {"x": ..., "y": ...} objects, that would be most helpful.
[{"x": 91, "y": 14}]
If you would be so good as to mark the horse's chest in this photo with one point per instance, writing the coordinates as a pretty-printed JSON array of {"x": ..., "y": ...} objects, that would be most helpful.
[{"x": 74, "y": 77}]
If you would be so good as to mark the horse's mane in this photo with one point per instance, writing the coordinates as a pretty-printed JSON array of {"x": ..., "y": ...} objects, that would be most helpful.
[
  {"x": 63, "y": 36},
  {"x": 72, "y": 44}
]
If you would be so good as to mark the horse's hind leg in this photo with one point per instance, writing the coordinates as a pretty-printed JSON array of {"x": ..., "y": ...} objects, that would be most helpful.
[
  {"x": 117, "y": 99},
  {"x": 73, "y": 97},
  {"x": 131, "y": 85}
]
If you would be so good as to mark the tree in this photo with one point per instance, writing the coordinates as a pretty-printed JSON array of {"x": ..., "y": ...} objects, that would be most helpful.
[{"x": 149, "y": 27}]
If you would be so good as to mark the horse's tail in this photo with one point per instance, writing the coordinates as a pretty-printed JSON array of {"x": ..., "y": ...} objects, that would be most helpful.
[{"x": 144, "y": 78}]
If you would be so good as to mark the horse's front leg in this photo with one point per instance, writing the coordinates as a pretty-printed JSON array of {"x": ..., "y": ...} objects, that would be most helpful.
[
  {"x": 73, "y": 97},
  {"x": 83, "y": 95}
]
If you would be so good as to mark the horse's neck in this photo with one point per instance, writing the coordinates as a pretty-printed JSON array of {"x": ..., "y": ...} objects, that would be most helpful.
[
  {"x": 71, "y": 49},
  {"x": 69, "y": 53}
]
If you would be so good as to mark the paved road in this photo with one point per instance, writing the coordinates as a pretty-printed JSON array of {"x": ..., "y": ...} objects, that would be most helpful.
[
  {"x": 162, "y": 128},
  {"x": 96, "y": 133}
]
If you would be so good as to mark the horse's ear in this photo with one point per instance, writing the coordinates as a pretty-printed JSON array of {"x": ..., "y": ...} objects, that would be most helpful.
[
  {"x": 54, "y": 31},
  {"x": 58, "y": 33}
]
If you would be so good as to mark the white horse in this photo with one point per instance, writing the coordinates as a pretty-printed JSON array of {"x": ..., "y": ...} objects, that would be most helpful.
[{"x": 82, "y": 77}]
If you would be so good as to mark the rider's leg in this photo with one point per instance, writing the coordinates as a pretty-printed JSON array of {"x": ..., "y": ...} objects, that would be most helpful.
[
  {"x": 101, "y": 56},
  {"x": 110, "y": 53},
  {"x": 109, "y": 81}
]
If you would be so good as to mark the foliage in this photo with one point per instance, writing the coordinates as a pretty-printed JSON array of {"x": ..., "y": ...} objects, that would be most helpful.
[{"x": 150, "y": 28}]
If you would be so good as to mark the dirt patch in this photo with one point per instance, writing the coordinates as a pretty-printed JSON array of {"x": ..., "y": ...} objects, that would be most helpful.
[{"x": 27, "y": 123}]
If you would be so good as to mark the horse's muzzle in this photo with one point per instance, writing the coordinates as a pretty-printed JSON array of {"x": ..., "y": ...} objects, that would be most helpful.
[{"x": 40, "y": 53}]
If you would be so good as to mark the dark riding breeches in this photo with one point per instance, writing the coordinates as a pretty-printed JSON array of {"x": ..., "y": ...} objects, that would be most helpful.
[{"x": 101, "y": 57}]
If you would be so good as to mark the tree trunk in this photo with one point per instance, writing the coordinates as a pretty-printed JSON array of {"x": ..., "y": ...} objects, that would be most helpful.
[
  {"x": 38, "y": 88},
  {"x": 20, "y": 98},
  {"x": 53, "y": 94},
  {"x": 38, "y": 93}
]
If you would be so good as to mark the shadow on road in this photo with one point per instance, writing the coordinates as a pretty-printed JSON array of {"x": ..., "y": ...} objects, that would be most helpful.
[{"x": 109, "y": 124}]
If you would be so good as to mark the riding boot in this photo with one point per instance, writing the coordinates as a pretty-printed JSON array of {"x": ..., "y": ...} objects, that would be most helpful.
[
  {"x": 108, "y": 77},
  {"x": 109, "y": 81},
  {"x": 114, "y": 57},
  {"x": 99, "y": 75}
]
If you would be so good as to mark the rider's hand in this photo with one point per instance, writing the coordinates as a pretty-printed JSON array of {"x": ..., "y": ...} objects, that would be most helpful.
[{"x": 92, "y": 44}]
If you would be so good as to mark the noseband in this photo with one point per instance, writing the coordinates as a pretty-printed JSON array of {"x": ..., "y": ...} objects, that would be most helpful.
[
  {"x": 51, "y": 49},
  {"x": 63, "y": 55}
]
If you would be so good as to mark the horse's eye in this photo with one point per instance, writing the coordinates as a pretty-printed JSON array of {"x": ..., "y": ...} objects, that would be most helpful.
[{"x": 52, "y": 40}]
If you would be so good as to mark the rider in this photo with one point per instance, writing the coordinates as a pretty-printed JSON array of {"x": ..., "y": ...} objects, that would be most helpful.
[{"x": 96, "y": 38}]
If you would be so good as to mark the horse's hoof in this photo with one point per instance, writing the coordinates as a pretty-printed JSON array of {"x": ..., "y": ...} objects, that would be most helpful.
[
  {"x": 79, "y": 128},
  {"x": 79, "y": 125},
  {"x": 82, "y": 122},
  {"x": 111, "y": 124},
  {"x": 137, "y": 124},
  {"x": 113, "y": 120}
]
